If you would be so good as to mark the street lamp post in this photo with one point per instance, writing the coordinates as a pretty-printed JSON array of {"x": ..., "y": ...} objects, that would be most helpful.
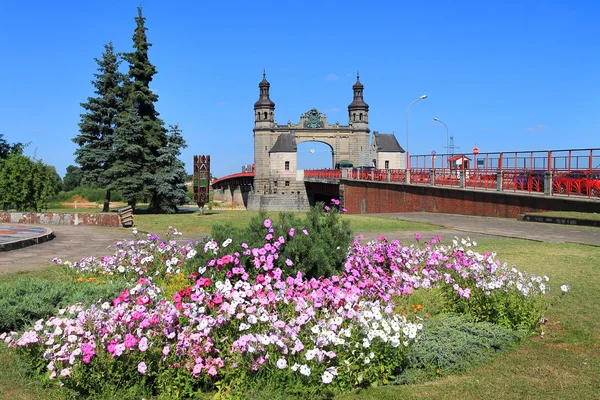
[
  {"x": 408, "y": 108},
  {"x": 447, "y": 143}
]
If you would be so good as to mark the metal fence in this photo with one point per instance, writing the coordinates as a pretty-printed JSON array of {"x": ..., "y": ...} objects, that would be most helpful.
[{"x": 574, "y": 172}]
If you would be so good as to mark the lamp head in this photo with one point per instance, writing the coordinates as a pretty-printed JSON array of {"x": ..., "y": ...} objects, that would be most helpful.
[
  {"x": 436, "y": 119},
  {"x": 423, "y": 97}
]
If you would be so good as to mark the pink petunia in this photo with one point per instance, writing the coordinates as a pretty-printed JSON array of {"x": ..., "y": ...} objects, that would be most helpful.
[{"x": 142, "y": 367}]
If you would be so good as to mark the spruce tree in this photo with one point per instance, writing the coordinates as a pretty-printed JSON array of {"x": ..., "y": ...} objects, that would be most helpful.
[
  {"x": 139, "y": 95},
  {"x": 96, "y": 153},
  {"x": 127, "y": 172},
  {"x": 170, "y": 176}
]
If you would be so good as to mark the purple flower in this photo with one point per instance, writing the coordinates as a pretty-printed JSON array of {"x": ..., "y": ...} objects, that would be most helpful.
[
  {"x": 268, "y": 223},
  {"x": 417, "y": 236},
  {"x": 326, "y": 208},
  {"x": 305, "y": 232},
  {"x": 142, "y": 367},
  {"x": 344, "y": 210},
  {"x": 292, "y": 231},
  {"x": 289, "y": 262}
]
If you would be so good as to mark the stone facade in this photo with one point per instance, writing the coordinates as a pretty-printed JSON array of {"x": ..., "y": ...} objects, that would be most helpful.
[
  {"x": 275, "y": 168},
  {"x": 275, "y": 163},
  {"x": 390, "y": 160}
]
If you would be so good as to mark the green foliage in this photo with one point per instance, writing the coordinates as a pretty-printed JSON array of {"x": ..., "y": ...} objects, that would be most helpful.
[
  {"x": 26, "y": 184},
  {"x": 72, "y": 178},
  {"x": 91, "y": 194},
  {"x": 127, "y": 173},
  {"x": 29, "y": 299},
  {"x": 452, "y": 342},
  {"x": 143, "y": 99},
  {"x": 7, "y": 149},
  {"x": 170, "y": 176},
  {"x": 321, "y": 252},
  {"x": 96, "y": 152},
  {"x": 510, "y": 308},
  {"x": 55, "y": 178}
]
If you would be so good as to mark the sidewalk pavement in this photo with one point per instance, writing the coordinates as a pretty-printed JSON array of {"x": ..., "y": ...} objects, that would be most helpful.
[
  {"x": 75, "y": 242},
  {"x": 70, "y": 243},
  {"x": 474, "y": 226}
]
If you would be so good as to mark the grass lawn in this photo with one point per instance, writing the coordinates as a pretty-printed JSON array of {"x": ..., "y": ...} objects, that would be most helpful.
[
  {"x": 568, "y": 214},
  {"x": 565, "y": 364},
  {"x": 194, "y": 223}
]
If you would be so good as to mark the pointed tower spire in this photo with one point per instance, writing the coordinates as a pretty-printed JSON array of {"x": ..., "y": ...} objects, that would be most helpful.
[
  {"x": 264, "y": 108},
  {"x": 358, "y": 110}
]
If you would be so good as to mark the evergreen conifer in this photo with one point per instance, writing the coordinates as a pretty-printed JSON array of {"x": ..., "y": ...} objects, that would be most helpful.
[
  {"x": 127, "y": 173},
  {"x": 96, "y": 152},
  {"x": 140, "y": 96},
  {"x": 170, "y": 176}
]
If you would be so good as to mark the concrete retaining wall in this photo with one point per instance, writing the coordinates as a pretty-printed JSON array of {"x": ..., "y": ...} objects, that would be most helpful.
[
  {"x": 277, "y": 202},
  {"x": 53, "y": 218}
]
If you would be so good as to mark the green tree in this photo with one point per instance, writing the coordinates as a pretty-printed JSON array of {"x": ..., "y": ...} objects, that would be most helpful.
[
  {"x": 72, "y": 178},
  {"x": 57, "y": 182},
  {"x": 96, "y": 152},
  {"x": 26, "y": 184},
  {"x": 6, "y": 148},
  {"x": 170, "y": 176},
  {"x": 140, "y": 96},
  {"x": 127, "y": 173}
]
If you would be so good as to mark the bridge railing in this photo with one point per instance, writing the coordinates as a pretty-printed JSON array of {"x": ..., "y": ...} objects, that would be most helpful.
[{"x": 574, "y": 172}]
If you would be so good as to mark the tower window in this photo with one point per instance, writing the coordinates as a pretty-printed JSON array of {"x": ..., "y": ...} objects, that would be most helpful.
[
  {"x": 360, "y": 116},
  {"x": 387, "y": 164},
  {"x": 275, "y": 183},
  {"x": 287, "y": 183},
  {"x": 287, "y": 165},
  {"x": 354, "y": 117},
  {"x": 265, "y": 115}
]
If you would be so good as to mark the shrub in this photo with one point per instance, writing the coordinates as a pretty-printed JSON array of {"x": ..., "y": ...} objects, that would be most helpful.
[
  {"x": 91, "y": 194},
  {"x": 316, "y": 246},
  {"x": 29, "y": 299},
  {"x": 452, "y": 342}
]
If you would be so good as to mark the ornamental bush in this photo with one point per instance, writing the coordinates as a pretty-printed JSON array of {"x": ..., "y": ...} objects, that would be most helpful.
[
  {"x": 28, "y": 299},
  {"x": 453, "y": 342},
  {"x": 317, "y": 246}
]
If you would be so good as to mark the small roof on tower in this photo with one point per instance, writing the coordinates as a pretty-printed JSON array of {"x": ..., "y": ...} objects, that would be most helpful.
[
  {"x": 386, "y": 142},
  {"x": 357, "y": 85},
  {"x": 357, "y": 102},
  {"x": 264, "y": 100},
  {"x": 286, "y": 143}
]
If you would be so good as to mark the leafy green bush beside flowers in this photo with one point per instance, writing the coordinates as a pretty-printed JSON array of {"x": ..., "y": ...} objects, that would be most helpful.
[
  {"x": 28, "y": 299},
  {"x": 317, "y": 245},
  {"x": 256, "y": 313}
]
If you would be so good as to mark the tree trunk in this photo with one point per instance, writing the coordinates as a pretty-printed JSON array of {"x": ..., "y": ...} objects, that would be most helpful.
[{"x": 106, "y": 207}]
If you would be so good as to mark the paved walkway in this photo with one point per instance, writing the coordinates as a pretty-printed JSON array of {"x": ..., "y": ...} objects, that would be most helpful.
[
  {"x": 468, "y": 225},
  {"x": 74, "y": 242},
  {"x": 71, "y": 243}
]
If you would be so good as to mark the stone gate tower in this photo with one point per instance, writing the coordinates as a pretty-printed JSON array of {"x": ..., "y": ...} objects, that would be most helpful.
[{"x": 278, "y": 185}]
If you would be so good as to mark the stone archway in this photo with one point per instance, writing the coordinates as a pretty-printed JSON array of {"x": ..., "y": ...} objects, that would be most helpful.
[{"x": 317, "y": 153}]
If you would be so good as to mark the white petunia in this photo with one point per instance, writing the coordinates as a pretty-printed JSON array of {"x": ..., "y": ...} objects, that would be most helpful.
[{"x": 305, "y": 370}]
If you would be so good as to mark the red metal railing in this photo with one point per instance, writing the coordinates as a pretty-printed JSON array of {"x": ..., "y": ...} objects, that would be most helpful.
[{"x": 574, "y": 172}]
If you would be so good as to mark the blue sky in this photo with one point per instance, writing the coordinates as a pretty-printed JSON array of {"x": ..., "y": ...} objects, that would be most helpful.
[{"x": 504, "y": 75}]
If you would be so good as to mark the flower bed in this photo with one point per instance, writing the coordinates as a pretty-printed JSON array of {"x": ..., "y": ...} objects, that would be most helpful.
[{"x": 227, "y": 317}]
